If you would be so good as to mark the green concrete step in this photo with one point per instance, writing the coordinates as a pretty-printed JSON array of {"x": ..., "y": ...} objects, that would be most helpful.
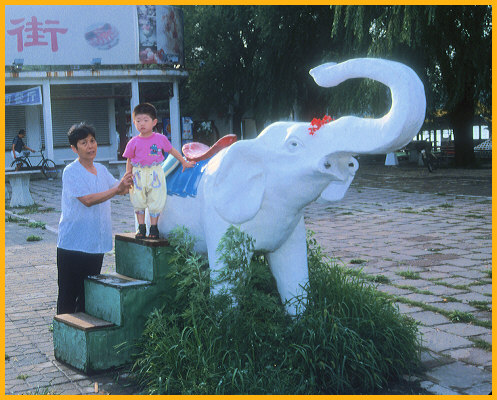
[
  {"x": 145, "y": 259},
  {"x": 117, "y": 307},
  {"x": 114, "y": 297},
  {"x": 89, "y": 344}
]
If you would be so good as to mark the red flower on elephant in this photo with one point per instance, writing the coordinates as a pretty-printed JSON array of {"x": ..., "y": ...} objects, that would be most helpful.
[{"x": 317, "y": 123}]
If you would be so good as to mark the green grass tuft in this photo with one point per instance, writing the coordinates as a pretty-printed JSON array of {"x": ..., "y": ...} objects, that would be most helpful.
[
  {"x": 348, "y": 339},
  {"x": 358, "y": 261},
  {"x": 34, "y": 208},
  {"x": 11, "y": 218},
  {"x": 37, "y": 224},
  {"x": 482, "y": 344},
  {"x": 380, "y": 279},
  {"x": 460, "y": 316},
  {"x": 409, "y": 274},
  {"x": 33, "y": 238}
]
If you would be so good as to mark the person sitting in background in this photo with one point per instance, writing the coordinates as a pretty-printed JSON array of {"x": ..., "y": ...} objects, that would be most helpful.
[{"x": 18, "y": 146}]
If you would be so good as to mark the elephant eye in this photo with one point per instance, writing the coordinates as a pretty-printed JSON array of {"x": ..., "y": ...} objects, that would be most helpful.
[{"x": 293, "y": 144}]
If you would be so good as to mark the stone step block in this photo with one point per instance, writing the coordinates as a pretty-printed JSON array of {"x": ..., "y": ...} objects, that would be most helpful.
[
  {"x": 115, "y": 298},
  {"x": 145, "y": 259},
  {"x": 88, "y": 343}
]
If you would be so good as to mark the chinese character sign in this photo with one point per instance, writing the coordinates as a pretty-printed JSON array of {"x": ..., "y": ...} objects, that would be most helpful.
[
  {"x": 35, "y": 33},
  {"x": 29, "y": 97},
  {"x": 71, "y": 35}
]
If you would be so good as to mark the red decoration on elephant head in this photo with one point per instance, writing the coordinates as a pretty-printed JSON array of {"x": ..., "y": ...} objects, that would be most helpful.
[{"x": 317, "y": 123}]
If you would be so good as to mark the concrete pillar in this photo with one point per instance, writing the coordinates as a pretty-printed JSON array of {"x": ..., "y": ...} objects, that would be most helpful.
[
  {"x": 33, "y": 127},
  {"x": 175, "y": 116},
  {"x": 135, "y": 100},
  {"x": 47, "y": 120},
  {"x": 113, "y": 139}
]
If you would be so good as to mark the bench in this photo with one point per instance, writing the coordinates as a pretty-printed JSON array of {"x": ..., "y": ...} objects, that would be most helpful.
[
  {"x": 19, "y": 183},
  {"x": 121, "y": 166}
]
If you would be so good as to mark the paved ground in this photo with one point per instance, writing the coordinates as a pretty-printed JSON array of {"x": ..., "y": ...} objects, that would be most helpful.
[{"x": 425, "y": 238}]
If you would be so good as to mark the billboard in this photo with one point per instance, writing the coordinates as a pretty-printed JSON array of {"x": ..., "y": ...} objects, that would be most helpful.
[{"x": 79, "y": 35}]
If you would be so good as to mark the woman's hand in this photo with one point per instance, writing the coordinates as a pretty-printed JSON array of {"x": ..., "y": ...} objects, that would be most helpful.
[{"x": 125, "y": 183}]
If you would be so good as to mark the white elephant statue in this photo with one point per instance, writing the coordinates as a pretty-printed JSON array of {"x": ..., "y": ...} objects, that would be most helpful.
[{"x": 262, "y": 185}]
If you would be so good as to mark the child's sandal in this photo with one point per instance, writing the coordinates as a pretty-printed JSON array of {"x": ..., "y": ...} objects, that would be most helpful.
[
  {"x": 154, "y": 232},
  {"x": 141, "y": 232}
]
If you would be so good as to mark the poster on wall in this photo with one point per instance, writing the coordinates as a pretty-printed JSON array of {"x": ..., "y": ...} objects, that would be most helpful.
[
  {"x": 166, "y": 123},
  {"x": 161, "y": 34},
  {"x": 186, "y": 129},
  {"x": 102, "y": 34}
]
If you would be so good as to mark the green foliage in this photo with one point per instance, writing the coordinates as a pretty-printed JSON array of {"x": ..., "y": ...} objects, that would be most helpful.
[
  {"x": 42, "y": 391},
  {"x": 33, "y": 209},
  {"x": 482, "y": 344},
  {"x": 37, "y": 224},
  {"x": 448, "y": 47},
  {"x": 409, "y": 274},
  {"x": 33, "y": 238},
  {"x": 238, "y": 52},
  {"x": 380, "y": 279},
  {"x": 11, "y": 218},
  {"x": 235, "y": 53},
  {"x": 349, "y": 339},
  {"x": 461, "y": 316}
]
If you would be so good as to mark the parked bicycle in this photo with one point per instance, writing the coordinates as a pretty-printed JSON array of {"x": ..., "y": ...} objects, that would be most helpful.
[
  {"x": 47, "y": 166},
  {"x": 430, "y": 160}
]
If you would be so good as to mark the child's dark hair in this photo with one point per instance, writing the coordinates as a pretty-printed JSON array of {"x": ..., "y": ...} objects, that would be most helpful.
[
  {"x": 21, "y": 132},
  {"x": 145, "y": 108},
  {"x": 80, "y": 131}
]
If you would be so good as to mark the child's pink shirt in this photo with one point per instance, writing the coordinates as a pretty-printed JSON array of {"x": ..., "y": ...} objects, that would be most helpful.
[{"x": 147, "y": 151}]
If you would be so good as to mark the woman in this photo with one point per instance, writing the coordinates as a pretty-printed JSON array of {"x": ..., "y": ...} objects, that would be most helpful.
[{"x": 85, "y": 228}]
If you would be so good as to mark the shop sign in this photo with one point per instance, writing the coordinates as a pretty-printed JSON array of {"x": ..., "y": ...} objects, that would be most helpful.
[
  {"x": 29, "y": 97},
  {"x": 78, "y": 35}
]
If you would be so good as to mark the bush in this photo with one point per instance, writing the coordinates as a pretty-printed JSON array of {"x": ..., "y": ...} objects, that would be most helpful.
[{"x": 349, "y": 338}]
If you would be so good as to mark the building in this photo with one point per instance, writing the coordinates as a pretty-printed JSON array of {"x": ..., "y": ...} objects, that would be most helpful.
[{"x": 95, "y": 63}]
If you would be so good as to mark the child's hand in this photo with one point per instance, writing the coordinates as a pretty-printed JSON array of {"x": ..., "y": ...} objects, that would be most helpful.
[{"x": 188, "y": 164}]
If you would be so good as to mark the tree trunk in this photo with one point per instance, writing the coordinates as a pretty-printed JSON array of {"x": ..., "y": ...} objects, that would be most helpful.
[{"x": 462, "y": 123}]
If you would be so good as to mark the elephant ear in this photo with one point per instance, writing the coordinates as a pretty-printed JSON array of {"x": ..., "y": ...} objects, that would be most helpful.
[{"x": 239, "y": 183}]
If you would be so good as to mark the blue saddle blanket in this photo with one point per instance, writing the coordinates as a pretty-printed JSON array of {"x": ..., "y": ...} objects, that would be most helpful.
[{"x": 185, "y": 183}]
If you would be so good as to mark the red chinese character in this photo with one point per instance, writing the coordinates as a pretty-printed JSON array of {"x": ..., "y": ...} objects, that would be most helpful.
[
  {"x": 53, "y": 33},
  {"x": 17, "y": 32},
  {"x": 35, "y": 27}
]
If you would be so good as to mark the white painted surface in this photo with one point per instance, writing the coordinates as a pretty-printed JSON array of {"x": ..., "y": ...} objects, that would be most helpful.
[{"x": 262, "y": 185}]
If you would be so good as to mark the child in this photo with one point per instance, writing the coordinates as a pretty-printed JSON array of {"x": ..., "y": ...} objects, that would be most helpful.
[{"x": 145, "y": 154}]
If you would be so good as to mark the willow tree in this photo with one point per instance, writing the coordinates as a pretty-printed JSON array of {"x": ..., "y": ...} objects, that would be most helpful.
[
  {"x": 448, "y": 46},
  {"x": 255, "y": 59}
]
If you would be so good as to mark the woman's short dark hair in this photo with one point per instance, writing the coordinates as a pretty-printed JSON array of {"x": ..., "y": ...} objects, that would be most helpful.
[{"x": 80, "y": 131}]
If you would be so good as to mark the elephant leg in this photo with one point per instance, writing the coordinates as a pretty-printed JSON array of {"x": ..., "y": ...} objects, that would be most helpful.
[
  {"x": 289, "y": 266},
  {"x": 216, "y": 266}
]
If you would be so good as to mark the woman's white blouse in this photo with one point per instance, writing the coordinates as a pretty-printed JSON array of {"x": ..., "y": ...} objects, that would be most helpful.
[{"x": 81, "y": 228}]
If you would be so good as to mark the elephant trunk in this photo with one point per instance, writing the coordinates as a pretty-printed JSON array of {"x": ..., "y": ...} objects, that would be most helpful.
[{"x": 393, "y": 131}]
